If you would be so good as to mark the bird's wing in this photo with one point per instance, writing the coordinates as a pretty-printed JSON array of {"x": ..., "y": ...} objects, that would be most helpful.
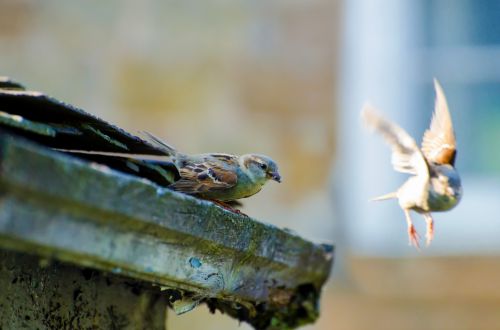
[
  {"x": 438, "y": 144},
  {"x": 406, "y": 156},
  {"x": 205, "y": 176}
]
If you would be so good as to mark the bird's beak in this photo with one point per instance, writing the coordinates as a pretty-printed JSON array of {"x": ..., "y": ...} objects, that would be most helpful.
[{"x": 276, "y": 177}]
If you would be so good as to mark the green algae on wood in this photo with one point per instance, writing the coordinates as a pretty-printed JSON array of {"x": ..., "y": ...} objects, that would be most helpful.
[
  {"x": 70, "y": 297},
  {"x": 16, "y": 121},
  {"x": 89, "y": 215}
]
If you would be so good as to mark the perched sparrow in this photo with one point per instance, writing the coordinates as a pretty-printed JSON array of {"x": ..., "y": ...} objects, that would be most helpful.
[
  {"x": 214, "y": 176},
  {"x": 435, "y": 184},
  {"x": 220, "y": 177}
]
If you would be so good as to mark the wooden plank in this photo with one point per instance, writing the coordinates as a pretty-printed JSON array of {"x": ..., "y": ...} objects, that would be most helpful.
[
  {"x": 40, "y": 294},
  {"x": 61, "y": 207}
]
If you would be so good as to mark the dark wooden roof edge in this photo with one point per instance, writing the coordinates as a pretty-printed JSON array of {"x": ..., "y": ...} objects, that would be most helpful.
[
  {"x": 7, "y": 83},
  {"x": 41, "y": 108},
  {"x": 56, "y": 124}
]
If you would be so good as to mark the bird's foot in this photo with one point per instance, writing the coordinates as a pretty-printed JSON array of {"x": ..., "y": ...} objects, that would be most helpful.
[
  {"x": 228, "y": 207},
  {"x": 413, "y": 237},
  {"x": 412, "y": 232},
  {"x": 429, "y": 235}
]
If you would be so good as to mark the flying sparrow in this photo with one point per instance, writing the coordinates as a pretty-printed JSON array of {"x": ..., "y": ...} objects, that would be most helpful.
[
  {"x": 435, "y": 184},
  {"x": 214, "y": 176}
]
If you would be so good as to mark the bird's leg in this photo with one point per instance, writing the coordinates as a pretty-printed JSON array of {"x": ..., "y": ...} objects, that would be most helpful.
[
  {"x": 429, "y": 235},
  {"x": 412, "y": 233},
  {"x": 227, "y": 207}
]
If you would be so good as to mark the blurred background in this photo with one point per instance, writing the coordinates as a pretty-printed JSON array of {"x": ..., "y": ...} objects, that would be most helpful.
[{"x": 288, "y": 79}]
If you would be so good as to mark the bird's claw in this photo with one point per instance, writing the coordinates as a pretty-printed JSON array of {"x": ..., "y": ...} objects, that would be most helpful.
[
  {"x": 413, "y": 237},
  {"x": 228, "y": 207},
  {"x": 429, "y": 235},
  {"x": 238, "y": 212},
  {"x": 428, "y": 238}
]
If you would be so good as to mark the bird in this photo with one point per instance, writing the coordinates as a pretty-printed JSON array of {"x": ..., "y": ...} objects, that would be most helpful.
[
  {"x": 434, "y": 184},
  {"x": 219, "y": 177}
]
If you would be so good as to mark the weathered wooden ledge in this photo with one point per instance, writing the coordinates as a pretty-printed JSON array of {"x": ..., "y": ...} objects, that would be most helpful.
[{"x": 179, "y": 250}]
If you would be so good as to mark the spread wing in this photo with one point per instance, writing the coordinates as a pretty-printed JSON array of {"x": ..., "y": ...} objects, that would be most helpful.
[
  {"x": 439, "y": 145},
  {"x": 205, "y": 176},
  {"x": 406, "y": 156}
]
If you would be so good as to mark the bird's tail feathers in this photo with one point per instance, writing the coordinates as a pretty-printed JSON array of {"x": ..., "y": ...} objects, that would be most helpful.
[
  {"x": 158, "y": 143},
  {"x": 159, "y": 158},
  {"x": 169, "y": 151},
  {"x": 391, "y": 195}
]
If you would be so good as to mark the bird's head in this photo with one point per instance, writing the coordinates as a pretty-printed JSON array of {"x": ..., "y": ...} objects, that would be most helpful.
[
  {"x": 260, "y": 167},
  {"x": 447, "y": 181}
]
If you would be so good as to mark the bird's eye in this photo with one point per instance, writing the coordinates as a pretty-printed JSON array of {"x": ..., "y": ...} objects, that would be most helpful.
[{"x": 263, "y": 166}]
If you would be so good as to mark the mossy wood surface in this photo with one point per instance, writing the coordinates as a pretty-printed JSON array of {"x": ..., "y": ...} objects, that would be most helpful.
[
  {"x": 47, "y": 294},
  {"x": 85, "y": 214}
]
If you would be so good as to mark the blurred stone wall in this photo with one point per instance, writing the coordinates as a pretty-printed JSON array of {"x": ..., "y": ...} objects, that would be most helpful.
[
  {"x": 225, "y": 76},
  {"x": 249, "y": 76}
]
